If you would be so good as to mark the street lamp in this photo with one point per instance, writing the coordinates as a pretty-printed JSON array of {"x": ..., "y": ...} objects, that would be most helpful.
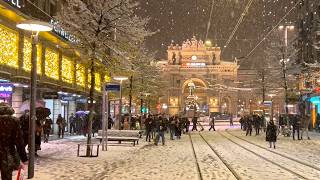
[
  {"x": 35, "y": 27},
  {"x": 284, "y": 60},
  {"x": 120, "y": 78},
  {"x": 271, "y": 96}
]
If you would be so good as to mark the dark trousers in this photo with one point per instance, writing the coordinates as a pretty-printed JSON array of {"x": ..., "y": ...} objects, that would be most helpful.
[
  {"x": 46, "y": 133},
  {"x": 148, "y": 134},
  {"x": 158, "y": 136},
  {"x": 172, "y": 132},
  {"x": 5, "y": 173},
  {"x": 72, "y": 128},
  {"x": 249, "y": 131},
  {"x": 60, "y": 131},
  {"x": 212, "y": 127},
  {"x": 187, "y": 128},
  {"x": 194, "y": 127},
  {"x": 257, "y": 130},
  {"x": 294, "y": 130}
]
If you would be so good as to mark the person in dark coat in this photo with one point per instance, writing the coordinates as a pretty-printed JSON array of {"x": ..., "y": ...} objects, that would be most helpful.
[
  {"x": 12, "y": 147},
  {"x": 187, "y": 124},
  {"x": 271, "y": 134},
  {"x": 47, "y": 129},
  {"x": 24, "y": 124},
  {"x": 194, "y": 123},
  {"x": 61, "y": 122},
  {"x": 249, "y": 124},
  {"x": 148, "y": 125},
  {"x": 211, "y": 123}
]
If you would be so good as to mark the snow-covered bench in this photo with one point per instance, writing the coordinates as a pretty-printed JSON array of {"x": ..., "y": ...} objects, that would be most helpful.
[{"x": 121, "y": 135}]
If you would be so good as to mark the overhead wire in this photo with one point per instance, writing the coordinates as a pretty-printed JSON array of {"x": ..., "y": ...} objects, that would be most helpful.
[
  {"x": 265, "y": 37},
  {"x": 245, "y": 11},
  {"x": 210, "y": 18}
]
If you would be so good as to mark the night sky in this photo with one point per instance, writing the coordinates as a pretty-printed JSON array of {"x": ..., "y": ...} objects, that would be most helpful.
[{"x": 178, "y": 20}]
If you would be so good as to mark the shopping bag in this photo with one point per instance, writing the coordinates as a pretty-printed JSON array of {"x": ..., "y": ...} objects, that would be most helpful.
[{"x": 21, "y": 173}]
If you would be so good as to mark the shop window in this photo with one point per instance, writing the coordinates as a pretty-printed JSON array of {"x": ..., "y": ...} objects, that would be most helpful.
[
  {"x": 67, "y": 69},
  {"x": 97, "y": 81},
  {"x": 52, "y": 64},
  {"x": 8, "y": 47},
  {"x": 27, "y": 49},
  {"x": 80, "y": 75}
]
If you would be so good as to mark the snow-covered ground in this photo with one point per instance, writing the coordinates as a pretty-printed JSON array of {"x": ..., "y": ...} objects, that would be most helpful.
[{"x": 175, "y": 160}]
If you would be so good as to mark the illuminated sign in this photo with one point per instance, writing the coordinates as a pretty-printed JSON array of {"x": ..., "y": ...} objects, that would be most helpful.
[
  {"x": 62, "y": 33},
  {"x": 6, "y": 88},
  {"x": 15, "y": 3},
  {"x": 194, "y": 64},
  {"x": 5, "y": 95}
]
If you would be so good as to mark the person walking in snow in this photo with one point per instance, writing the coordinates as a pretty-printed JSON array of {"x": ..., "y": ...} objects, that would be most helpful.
[
  {"x": 161, "y": 128},
  {"x": 271, "y": 134},
  {"x": 194, "y": 123},
  {"x": 148, "y": 125},
  {"x": 211, "y": 123},
  {"x": 61, "y": 122},
  {"x": 249, "y": 124},
  {"x": 47, "y": 129},
  {"x": 12, "y": 147}
]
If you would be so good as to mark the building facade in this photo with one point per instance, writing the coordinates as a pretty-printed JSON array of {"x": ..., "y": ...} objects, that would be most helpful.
[
  {"x": 63, "y": 77},
  {"x": 195, "y": 62}
]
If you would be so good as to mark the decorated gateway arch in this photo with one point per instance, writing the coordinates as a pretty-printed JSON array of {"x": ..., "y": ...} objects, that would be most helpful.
[{"x": 197, "y": 69}]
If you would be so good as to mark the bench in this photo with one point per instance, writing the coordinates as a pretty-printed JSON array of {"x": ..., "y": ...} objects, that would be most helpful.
[{"x": 121, "y": 135}]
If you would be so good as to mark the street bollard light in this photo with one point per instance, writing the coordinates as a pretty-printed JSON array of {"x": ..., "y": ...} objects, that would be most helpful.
[
  {"x": 35, "y": 27},
  {"x": 120, "y": 78}
]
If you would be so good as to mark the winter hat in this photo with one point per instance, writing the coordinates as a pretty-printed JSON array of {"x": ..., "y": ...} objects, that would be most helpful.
[{"x": 5, "y": 109}]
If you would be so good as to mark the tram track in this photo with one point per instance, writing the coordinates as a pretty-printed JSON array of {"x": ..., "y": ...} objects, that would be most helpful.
[
  {"x": 264, "y": 158},
  {"x": 227, "y": 165},
  {"x": 277, "y": 153}
]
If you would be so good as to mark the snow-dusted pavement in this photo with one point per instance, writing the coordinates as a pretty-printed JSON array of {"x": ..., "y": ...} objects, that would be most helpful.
[{"x": 218, "y": 155}]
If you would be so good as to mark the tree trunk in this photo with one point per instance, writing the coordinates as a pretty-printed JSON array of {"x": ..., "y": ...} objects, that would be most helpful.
[{"x": 91, "y": 107}]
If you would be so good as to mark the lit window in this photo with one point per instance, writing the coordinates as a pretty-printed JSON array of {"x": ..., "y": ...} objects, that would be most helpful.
[
  {"x": 52, "y": 64},
  {"x": 67, "y": 70},
  {"x": 8, "y": 47},
  {"x": 80, "y": 75},
  {"x": 27, "y": 48},
  {"x": 97, "y": 77}
]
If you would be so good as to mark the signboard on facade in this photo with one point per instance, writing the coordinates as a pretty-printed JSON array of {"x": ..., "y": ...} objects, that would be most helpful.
[
  {"x": 267, "y": 103},
  {"x": 6, "y": 88},
  {"x": 112, "y": 87},
  {"x": 50, "y": 95},
  {"x": 15, "y": 3}
]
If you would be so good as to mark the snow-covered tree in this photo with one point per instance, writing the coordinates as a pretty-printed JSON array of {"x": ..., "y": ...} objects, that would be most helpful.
[{"x": 103, "y": 28}]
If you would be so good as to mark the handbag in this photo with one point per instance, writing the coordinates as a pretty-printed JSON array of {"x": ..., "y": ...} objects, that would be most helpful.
[{"x": 13, "y": 159}]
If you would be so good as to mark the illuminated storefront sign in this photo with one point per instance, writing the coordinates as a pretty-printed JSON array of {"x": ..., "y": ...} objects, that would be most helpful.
[
  {"x": 61, "y": 32},
  {"x": 15, "y": 3},
  {"x": 6, "y": 88}
]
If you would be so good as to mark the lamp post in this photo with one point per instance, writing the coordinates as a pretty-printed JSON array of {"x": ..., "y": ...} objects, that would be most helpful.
[
  {"x": 271, "y": 96},
  {"x": 120, "y": 78},
  {"x": 35, "y": 27},
  {"x": 283, "y": 63}
]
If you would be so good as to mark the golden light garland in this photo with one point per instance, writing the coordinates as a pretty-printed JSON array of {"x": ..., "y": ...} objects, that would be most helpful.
[
  {"x": 67, "y": 69},
  {"x": 52, "y": 64},
  {"x": 107, "y": 78},
  {"x": 80, "y": 75},
  {"x": 27, "y": 49},
  {"x": 97, "y": 81},
  {"x": 8, "y": 47}
]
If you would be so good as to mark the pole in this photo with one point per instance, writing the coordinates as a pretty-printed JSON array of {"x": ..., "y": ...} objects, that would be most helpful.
[
  {"x": 271, "y": 118},
  {"x": 103, "y": 116},
  {"x": 130, "y": 100},
  {"x": 32, "y": 120},
  {"x": 120, "y": 105},
  {"x": 284, "y": 71}
]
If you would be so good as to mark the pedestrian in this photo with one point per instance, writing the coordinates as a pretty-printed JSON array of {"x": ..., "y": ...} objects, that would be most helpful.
[
  {"x": 187, "y": 124},
  {"x": 172, "y": 127},
  {"x": 61, "y": 122},
  {"x": 256, "y": 122},
  {"x": 194, "y": 123},
  {"x": 161, "y": 128},
  {"x": 72, "y": 120},
  {"x": 47, "y": 129},
  {"x": 148, "y": 125},
  {"x": 12, "y": 147},
  {"x": 271, "y": 134},
  {"x": 241, "y": 121},
  {"x": 211, "y": 123},
  {"x": 24, "y": 124},
  {"x": 178, "y": 128},
  {"x": 296, "y": 123},
  {"x": 249, "y": 125},
  {"x": 231, "y": 119}
]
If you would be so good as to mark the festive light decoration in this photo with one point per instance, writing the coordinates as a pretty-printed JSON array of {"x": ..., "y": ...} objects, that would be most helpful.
[
  {"x": 107, "y": 78},
  {"x": 97, "y": 81},
  {"x": 8, "y": 47},
  {"x": 27, "y": 49},
  {"x": 52, "y": 64},
  {"x": 67, "y": 69},
  {"x": 80, "y": 75}
]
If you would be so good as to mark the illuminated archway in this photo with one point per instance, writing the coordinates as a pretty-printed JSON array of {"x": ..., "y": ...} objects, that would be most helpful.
[{"x": 194, "y": 80}]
